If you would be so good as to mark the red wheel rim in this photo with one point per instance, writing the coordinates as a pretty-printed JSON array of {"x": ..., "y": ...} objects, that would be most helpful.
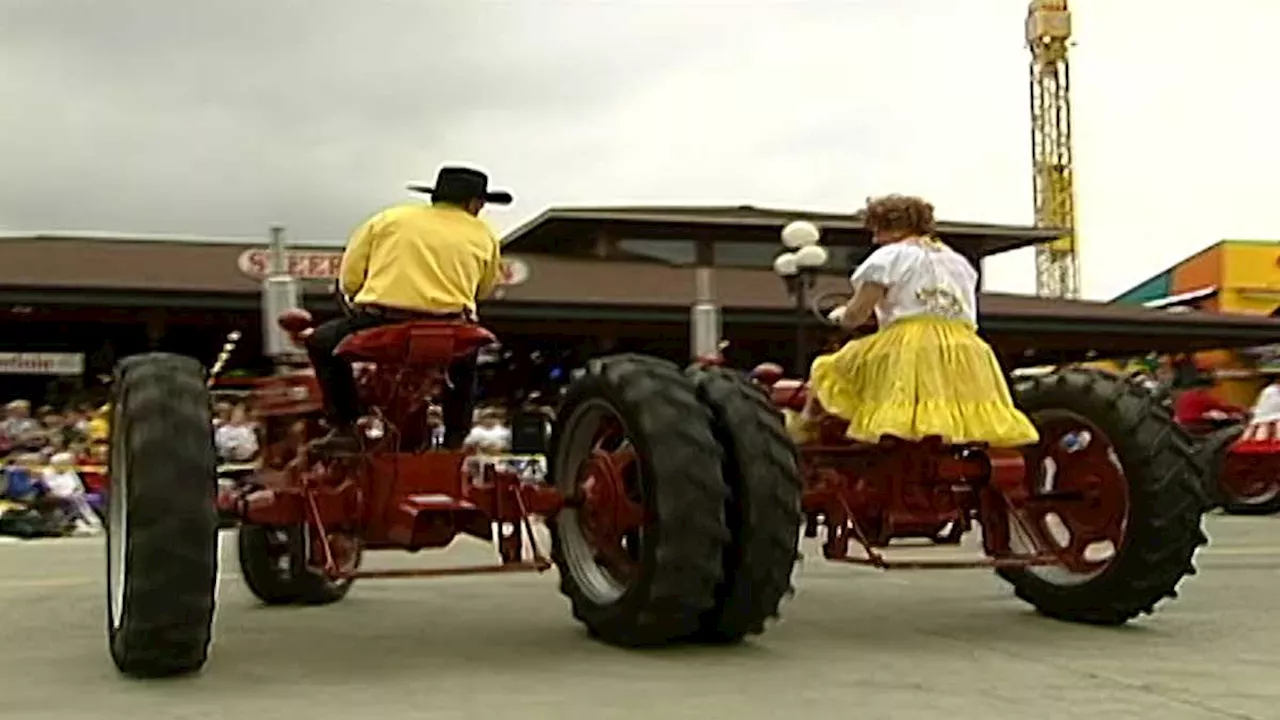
[
  {"x": 1250, "y": 478},
  {"x": 602, "y": 529},
  {"x": 1078, "y": 509}
]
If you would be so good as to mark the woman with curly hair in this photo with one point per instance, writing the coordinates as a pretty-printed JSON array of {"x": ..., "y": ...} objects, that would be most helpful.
[{"x": 925, "y": 372}]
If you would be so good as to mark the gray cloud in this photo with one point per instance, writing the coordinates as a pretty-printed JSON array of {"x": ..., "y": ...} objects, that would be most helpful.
[{"x": 221, "y": 117}]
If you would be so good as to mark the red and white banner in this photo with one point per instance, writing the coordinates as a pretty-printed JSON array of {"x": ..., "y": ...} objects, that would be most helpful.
[
  {"x": 41, "y": 363},
  {"x": 325, "y": 265}
]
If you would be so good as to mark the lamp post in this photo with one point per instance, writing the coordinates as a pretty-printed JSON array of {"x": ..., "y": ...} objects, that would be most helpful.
[
  {"x": 797, "y": 267},
  {"x": 279, "y": 293}
]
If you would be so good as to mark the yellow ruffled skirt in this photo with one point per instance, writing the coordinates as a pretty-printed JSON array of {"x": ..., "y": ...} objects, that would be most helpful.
[{"x": 921, "y": 377}]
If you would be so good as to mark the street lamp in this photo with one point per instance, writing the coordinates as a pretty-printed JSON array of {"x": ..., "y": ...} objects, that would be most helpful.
[{"x": 798, "y": 267}]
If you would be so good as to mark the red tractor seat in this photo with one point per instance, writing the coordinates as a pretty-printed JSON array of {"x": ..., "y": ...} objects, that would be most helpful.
[
  {"x": 427, "y": 342},
  {"x": 789, "y": 394}
]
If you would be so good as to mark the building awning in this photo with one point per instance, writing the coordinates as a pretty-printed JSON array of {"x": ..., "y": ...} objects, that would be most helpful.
[
  {"x": 560, "y": 228},
  {"x": 1185, "y": 299}
]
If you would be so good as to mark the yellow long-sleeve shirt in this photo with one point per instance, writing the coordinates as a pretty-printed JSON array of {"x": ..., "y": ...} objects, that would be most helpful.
[{"x": 431, "y": 258}]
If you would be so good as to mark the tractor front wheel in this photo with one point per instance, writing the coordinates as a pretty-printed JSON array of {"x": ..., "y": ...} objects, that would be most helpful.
[
  {"x": 1115, "y": 493},
  {"x": 162, "y": 517},
  {"x": 275, "y": 567},
  {"x": 640, "y": 544}
]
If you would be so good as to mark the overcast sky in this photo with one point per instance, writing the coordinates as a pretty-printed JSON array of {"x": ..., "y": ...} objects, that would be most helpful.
[{"x": 218, "y": 118}]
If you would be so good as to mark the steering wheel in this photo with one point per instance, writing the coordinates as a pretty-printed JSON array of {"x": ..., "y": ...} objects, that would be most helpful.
[{"x": 822, "y": 305}]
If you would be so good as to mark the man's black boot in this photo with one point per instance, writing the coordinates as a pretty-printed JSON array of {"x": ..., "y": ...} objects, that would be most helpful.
[{"x": 340, "y": 440}]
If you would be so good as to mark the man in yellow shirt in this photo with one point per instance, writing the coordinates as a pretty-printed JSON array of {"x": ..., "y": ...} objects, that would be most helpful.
[{"x": 406, "y": 263}]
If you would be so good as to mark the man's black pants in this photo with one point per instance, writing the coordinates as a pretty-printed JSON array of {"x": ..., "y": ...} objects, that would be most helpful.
[{"x": 342, "y": 403}]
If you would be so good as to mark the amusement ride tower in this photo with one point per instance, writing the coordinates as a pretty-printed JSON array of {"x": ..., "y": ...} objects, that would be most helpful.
[{"x": 1048, "y": 37}]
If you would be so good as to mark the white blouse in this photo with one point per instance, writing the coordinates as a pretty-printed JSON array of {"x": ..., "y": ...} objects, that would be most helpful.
[{"x": 923, "y": 277}]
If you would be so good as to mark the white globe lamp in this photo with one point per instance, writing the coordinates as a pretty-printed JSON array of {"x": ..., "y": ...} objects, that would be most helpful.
[
  {"x": 786, "y": 264},
  {"x": 810, "y": 257},
  {"x": 799, "y": 234}
]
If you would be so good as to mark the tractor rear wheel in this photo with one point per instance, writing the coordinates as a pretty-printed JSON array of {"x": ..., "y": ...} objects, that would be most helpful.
[
  {"x": 763, "y": 512},
  {"x": 162, "y": 518},
  {"x": 641, "y": 542},
  {"x": 1112, "y": 469}
]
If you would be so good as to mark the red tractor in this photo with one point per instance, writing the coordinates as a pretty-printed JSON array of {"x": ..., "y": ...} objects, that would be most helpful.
[
  {"x": 1242, "y": 460},
  {"x": 673, "y": 503},
  {"x": 1097, "y": 523}
]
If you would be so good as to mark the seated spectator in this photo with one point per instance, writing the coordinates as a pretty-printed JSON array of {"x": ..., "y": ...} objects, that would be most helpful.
[
  {"x": 1196, "y": 405},
  {"x": 78, "y": 421},
  {"x": 222, "y": 413},
  {"x": 60, "y": 427},
  {"x": 489, "y": 436},
  {"x": 237, "y": 439},
  {"x": 62, "y": 483},
  {"x": 487, "y": 440},
  {"x": 17, "y": 425},
  {"x": 21, "y": 476},
  {"x": 99, "y": 424},
  {"x": 435, "y": 425},
  {"x": 53, "y": 443}
]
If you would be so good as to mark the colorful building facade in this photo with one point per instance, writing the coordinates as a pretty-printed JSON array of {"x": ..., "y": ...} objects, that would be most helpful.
[{"x": 1233, "y": 276}]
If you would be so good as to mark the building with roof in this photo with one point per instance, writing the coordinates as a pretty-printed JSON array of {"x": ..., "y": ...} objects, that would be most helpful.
[
  {"x": 1238, "y": 276},
  {"x": 1232, "y": 276},
  {"x": 579, "y": 280}
]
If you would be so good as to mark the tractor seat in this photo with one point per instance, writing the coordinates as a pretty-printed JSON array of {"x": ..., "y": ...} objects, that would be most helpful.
[
  {"x": 419, "y": 343},
  {"x": 789, "y": 394}
]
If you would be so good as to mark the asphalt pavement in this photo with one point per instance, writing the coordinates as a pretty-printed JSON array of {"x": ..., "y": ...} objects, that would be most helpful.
[{"x": 853, "y": 642}]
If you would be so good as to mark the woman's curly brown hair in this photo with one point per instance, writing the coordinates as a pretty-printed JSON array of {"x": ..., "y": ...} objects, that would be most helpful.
[{"x": 899, "y": 214}]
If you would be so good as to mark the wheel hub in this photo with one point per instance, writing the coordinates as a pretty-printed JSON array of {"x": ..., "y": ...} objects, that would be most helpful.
[
  {"x": 1079, "y": 508},
  {"x": 607, "y": 513}
]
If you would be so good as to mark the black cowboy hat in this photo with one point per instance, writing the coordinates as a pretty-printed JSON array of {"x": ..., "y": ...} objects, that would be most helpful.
[{"x": 465, "y": 184}]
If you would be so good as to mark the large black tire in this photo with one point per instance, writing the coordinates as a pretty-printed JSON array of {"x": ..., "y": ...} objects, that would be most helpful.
[
  {"x": 763, "y": 512},
  {"x": 683, "y": 493},
  {"x": 1213, "y": 453},
  {"x": 261, "y": 549},
  {"x": 162, "y": 519},
  {"x": 1166, "y": 501}
]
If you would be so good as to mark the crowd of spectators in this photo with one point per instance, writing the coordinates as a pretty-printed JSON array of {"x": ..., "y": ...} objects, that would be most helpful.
[
  {"x": 51, "y": 467},
  {"x": 48, "y": 431},
  {"x": 53, "y": 461}
]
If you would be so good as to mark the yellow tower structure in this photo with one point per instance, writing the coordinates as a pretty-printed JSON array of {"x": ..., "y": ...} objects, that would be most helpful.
[{"x": 1048, "y": 36}]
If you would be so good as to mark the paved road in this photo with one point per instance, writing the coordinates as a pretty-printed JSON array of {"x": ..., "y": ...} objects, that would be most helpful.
[{"x": 854, "y": 643}]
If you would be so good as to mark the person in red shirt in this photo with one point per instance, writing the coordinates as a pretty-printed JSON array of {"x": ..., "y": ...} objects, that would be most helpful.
[{"x": 1197, "y": 405}]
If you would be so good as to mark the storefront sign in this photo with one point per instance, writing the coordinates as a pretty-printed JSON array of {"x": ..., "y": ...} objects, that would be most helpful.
[
  {"x": 321, "y": 265},
  {"x": 302, "y": 265},
  {"x": 33, "y": 363}
]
